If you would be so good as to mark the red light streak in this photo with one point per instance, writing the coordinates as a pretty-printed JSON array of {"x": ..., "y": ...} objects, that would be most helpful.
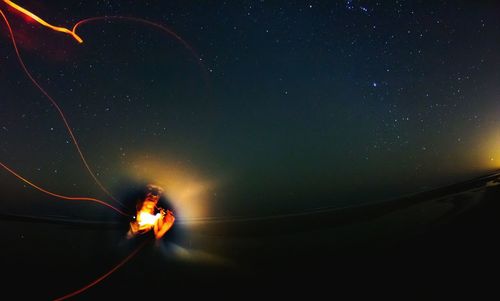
[
  {"x": 58, "y": 108},
  {"x": 70, "y": 198},
  {"x": 26, "y": 13},
  {"x": 101, "y": 278}
]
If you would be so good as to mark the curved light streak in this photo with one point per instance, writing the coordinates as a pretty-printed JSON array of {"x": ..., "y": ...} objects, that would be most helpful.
[{"x": 43, "y": 22}]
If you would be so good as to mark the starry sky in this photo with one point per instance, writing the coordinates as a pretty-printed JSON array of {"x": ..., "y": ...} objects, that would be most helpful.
[{"x": 280, "y": 106}]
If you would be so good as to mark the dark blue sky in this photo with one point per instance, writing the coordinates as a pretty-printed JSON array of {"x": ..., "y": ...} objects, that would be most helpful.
[{"x": 293, "y": 105}]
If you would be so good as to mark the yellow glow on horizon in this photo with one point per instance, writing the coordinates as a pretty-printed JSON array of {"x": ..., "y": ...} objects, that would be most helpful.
[{"x": 490, "y": 150}]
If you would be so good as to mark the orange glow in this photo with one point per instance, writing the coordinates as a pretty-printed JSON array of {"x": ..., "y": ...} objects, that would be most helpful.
[
  {"x": 146, "y": 219},
  {"x": 160, "y": 223},
  {"x": 42, "y": 22},
  {"x": 190, "y": 191}
]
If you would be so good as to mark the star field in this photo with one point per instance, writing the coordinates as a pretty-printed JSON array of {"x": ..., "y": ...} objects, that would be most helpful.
[{"x": 290, "y": 105}]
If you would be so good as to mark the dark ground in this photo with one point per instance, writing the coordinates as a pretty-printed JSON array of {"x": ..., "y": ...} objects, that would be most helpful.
[{"x": 439, "y": 242}]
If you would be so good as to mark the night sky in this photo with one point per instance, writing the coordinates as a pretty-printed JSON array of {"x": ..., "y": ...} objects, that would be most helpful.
[{"x": 282, "y": 106}]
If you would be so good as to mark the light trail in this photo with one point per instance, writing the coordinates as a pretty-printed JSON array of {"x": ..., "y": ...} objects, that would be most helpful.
[
  {"x": 73, "y": 33},
  {"x": 58, "y": 108},
  {"x": 70, "y": 198},
  {"x": 41, "y": 21},
  {"x": 197, "y": 57},
  {"x": 101, "y": 278}
]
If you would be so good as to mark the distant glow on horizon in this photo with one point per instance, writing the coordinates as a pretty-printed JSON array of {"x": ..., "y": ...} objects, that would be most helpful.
[{"x": 490, "y": 150}]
